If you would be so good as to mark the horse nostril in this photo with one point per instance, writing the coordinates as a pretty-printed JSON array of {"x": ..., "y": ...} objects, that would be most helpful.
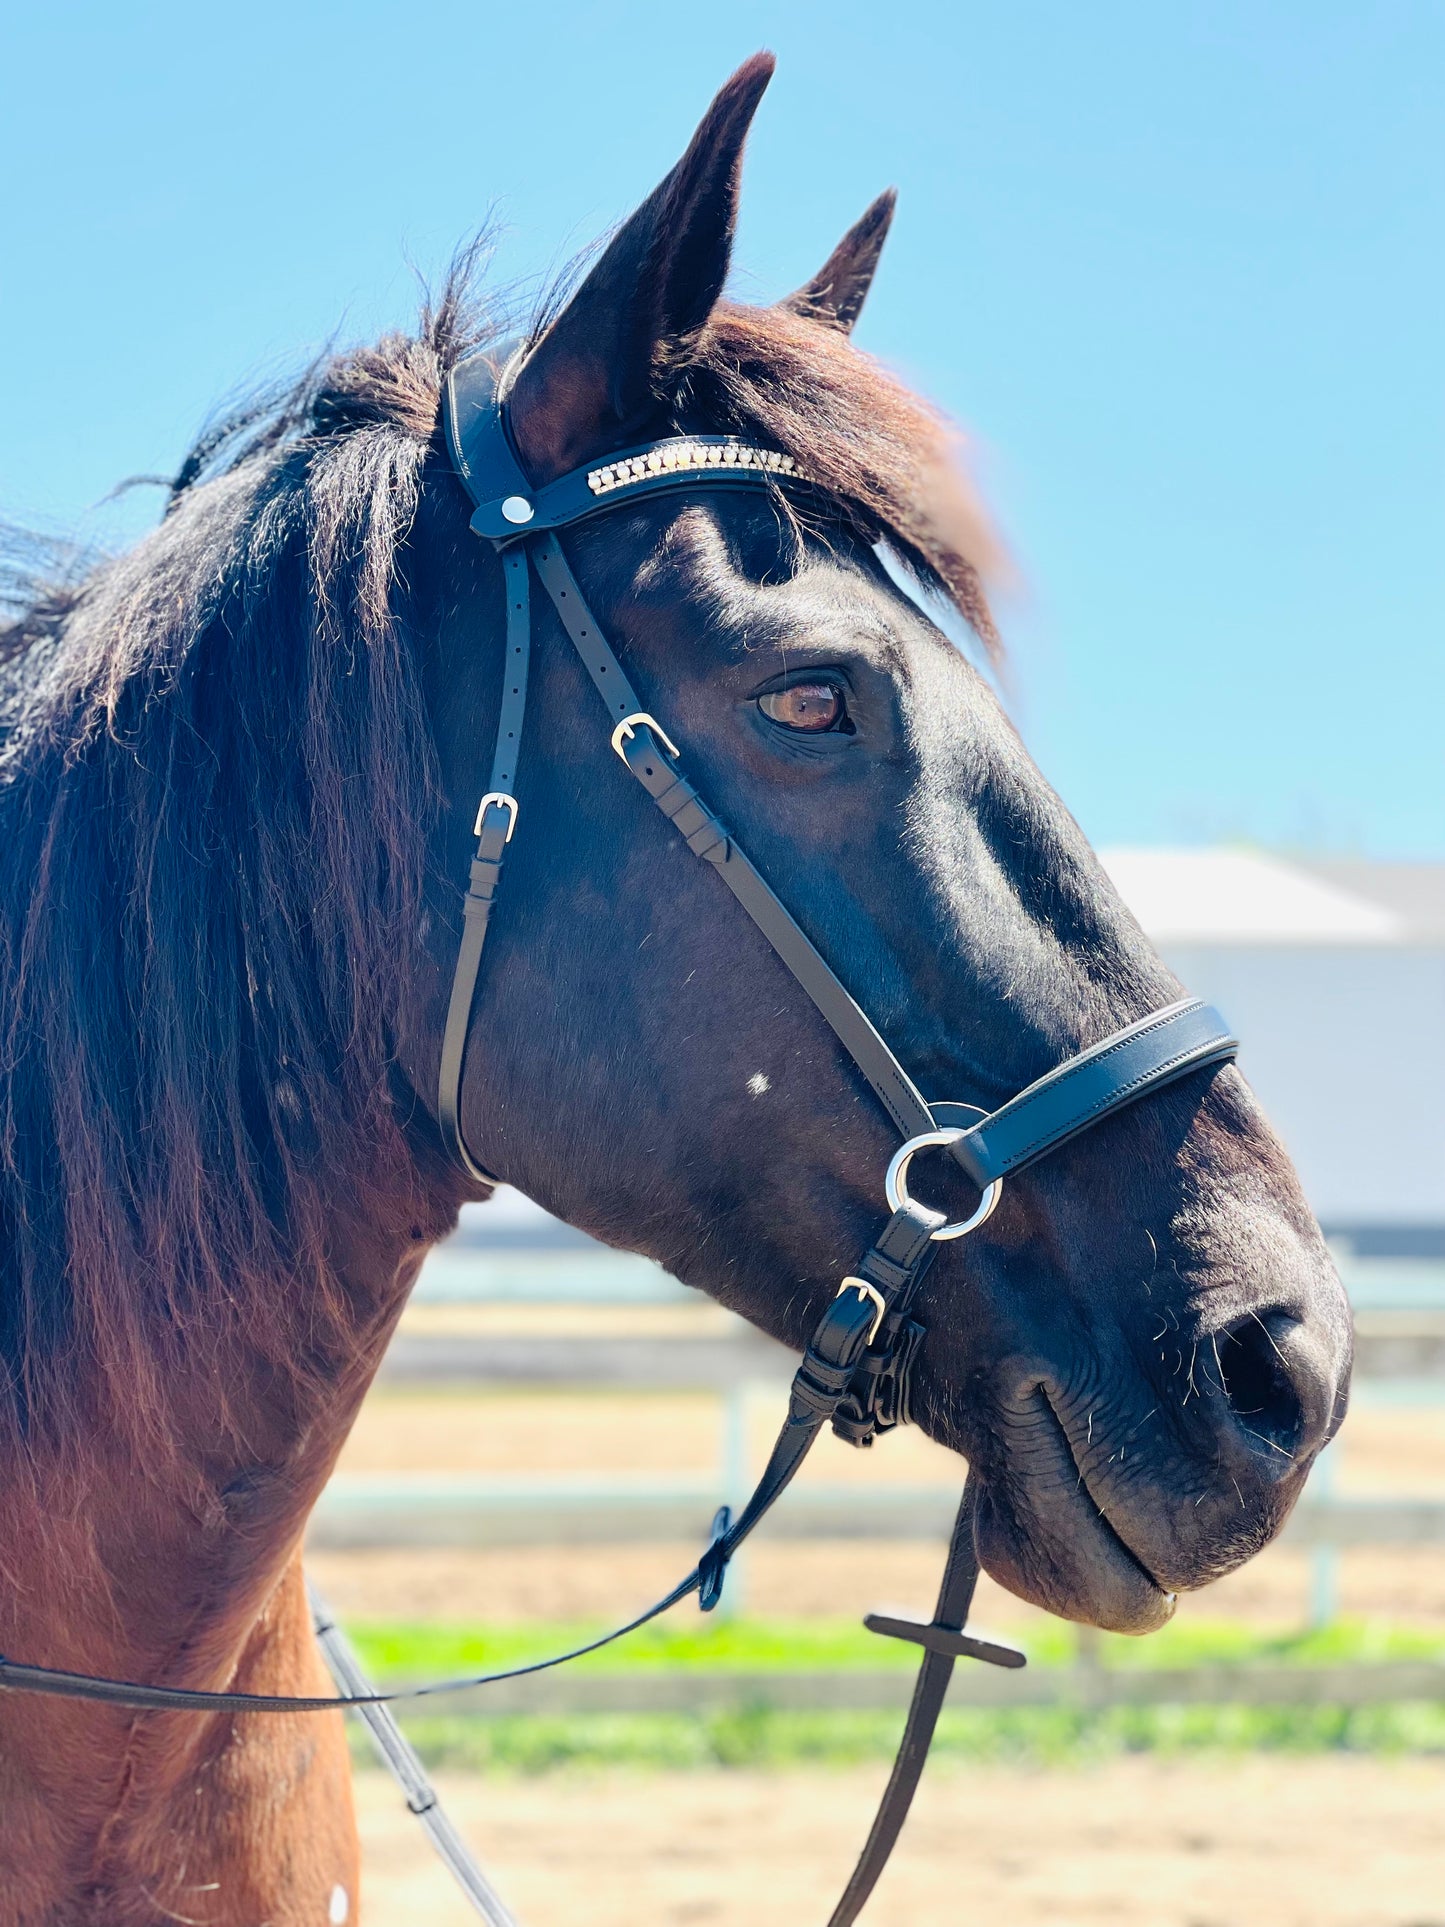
[{"x": 1261, "y": 1380}]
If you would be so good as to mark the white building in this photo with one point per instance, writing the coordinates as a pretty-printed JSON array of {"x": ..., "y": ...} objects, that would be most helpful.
[{"x": 1333, "y": 976}]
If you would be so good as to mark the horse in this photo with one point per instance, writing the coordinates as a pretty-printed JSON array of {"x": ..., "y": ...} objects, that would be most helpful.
[{"x": 240, "y": 765}]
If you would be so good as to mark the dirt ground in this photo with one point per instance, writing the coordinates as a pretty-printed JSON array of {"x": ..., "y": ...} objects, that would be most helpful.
[{"x": 1315, "y": 1842}]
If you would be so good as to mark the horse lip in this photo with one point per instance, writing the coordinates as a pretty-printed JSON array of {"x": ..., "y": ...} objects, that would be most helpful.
[{"x": 1098, "y": 1515}]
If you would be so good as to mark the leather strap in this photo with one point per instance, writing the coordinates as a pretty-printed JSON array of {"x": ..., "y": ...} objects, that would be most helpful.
[
  {"x": 944, "y": 1642},
  {"x": 478, "y": 432},
  {"x": 1143, "y": 1057},
  {"x": 496, "y": 821},
  {"x": 877, "y": 1398},
  {"x": 656, "y": 770},
  {"x": 474, "y": 416},
  {"x": 682, "y": 461}
]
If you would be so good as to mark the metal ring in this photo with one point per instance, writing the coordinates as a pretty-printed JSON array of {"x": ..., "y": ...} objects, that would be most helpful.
[{"x": 897, "y": 1195}]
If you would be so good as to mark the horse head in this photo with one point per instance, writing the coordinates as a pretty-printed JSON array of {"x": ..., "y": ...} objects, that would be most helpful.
[{"x": 1143, "y": 1349}]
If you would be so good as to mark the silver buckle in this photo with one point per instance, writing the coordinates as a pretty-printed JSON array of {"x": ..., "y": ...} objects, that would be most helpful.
[
  {"x": 871, "y": 1292},
  {"x": 503, "y": 801},
  {"x": 627, "y": 729}
]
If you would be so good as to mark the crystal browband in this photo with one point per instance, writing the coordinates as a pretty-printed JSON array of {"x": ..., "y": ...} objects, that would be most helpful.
[{"x": 688, "y": 455}]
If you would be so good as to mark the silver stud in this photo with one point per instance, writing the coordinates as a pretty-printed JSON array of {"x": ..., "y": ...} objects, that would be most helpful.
[{"x": 516, "y": 508}]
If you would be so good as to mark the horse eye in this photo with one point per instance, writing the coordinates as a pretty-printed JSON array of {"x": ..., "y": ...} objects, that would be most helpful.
[{"x": 810, "y": 706}]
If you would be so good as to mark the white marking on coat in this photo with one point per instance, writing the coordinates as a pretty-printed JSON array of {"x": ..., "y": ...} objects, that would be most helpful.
[
  {"x": 758, "y": 1084},
  {"x": 340, "y": 1908}
]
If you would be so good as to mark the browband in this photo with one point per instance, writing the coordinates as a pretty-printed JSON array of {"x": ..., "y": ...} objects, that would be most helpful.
[{"x": 508, "y": 505}]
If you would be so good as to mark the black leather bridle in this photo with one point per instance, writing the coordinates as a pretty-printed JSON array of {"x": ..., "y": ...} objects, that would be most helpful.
[{"x": 855, "y": 1373}]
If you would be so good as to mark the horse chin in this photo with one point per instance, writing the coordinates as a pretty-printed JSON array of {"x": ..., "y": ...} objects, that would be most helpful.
[
  {"x": 1041, "y": 1532},
  {"x": 1061, "y": 1553}
]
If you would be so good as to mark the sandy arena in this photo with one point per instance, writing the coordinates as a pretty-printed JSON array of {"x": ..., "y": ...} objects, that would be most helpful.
[{"x": 1332, "y": 1842}]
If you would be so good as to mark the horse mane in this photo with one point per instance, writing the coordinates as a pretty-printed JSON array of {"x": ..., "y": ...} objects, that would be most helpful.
[{"x": 216, "y": 788}]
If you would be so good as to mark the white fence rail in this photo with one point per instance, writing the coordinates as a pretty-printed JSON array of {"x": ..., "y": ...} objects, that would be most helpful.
[{"x": 372, "y": 1514}]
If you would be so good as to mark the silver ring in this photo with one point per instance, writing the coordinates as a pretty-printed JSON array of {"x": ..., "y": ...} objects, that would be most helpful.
[{"x": 897, "y": 1195}]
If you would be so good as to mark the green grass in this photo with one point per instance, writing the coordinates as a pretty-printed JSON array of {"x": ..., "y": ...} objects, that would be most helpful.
[
  {"x": 763, "y": 1737},
  {"x": 402, "y": 1650}
]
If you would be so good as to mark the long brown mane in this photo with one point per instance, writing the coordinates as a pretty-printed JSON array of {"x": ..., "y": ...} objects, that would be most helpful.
[{"x": 215, "y": 798}]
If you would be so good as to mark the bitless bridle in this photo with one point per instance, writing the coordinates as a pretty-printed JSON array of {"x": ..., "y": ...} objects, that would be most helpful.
[{"x": 855, "y": 1373}]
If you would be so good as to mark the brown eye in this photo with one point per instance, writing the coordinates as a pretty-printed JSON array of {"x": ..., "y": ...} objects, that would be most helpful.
[{"x": 810, "y": 706}]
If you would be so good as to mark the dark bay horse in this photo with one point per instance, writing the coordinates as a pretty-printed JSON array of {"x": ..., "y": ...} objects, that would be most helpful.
[{"x": 239, "y": 771}]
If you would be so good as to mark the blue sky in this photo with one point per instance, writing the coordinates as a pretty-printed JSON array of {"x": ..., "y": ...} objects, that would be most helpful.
[{"x": 1178, "y": 267}]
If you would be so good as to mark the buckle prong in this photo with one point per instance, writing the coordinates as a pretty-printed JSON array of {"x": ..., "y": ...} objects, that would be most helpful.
[
  {"x": 628, "y": 727},
  {"x": 873, "y": 1294},
  {"x": 503, "y": 801}
]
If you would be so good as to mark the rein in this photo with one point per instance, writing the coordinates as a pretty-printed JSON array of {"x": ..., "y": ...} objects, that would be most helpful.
[{"x": 855, "y": 1373}]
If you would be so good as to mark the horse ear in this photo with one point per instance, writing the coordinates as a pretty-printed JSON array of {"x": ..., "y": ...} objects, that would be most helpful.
[
  {"x": 836, "y": 293},
  {"x": 596, "y": 378}
]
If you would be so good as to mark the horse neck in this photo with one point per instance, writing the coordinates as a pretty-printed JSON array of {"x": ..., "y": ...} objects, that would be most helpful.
[
  {"x": 187, "y": 1573},
  {"x": 158, "y": 1564}
]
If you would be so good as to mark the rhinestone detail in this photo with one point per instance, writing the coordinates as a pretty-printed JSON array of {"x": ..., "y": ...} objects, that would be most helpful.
[{"x": 687, "y": 455}]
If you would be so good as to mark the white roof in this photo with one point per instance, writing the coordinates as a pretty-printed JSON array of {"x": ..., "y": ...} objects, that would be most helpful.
[{"x": 1238, "y": 896}]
